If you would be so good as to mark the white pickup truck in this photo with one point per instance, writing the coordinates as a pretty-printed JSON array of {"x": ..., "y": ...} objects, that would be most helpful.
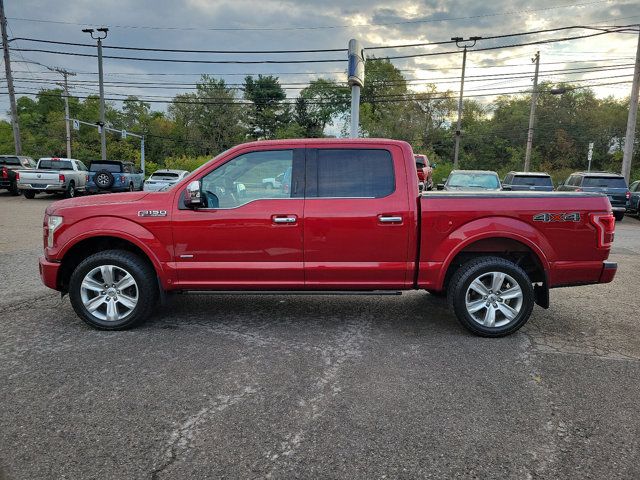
[{"x": 54, "y": 175}]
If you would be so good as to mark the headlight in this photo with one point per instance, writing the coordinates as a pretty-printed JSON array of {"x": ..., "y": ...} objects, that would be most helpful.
[{"x": 52, "y": 225}]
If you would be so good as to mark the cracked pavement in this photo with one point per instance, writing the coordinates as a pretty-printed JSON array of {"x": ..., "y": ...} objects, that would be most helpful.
[{"x": 244, "y": 386}]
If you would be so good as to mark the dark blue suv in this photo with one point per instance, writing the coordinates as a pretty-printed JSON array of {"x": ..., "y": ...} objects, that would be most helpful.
[{"x": 613, "y": 185}]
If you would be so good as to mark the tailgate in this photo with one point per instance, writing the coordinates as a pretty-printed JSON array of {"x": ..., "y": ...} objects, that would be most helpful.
[{"x": 39, "y": 176}]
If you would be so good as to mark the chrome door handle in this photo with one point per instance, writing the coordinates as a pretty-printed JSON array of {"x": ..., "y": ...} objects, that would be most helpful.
[
  {"x": 285, "y": 219},
  {"x": 389, "y": 219}
]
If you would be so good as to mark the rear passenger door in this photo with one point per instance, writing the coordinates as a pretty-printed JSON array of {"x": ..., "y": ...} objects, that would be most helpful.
[{"x": 356, "y": 219}]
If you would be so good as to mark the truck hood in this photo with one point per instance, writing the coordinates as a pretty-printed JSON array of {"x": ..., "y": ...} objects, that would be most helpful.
[{"x": 96, "y": 200}]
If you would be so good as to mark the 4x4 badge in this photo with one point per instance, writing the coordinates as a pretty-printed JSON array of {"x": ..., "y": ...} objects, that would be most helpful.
[{"x": 557, "y": 217}]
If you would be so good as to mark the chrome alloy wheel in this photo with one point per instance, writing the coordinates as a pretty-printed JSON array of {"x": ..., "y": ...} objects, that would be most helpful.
[
  {"x": 494, "y": 299},
  {"x": 109, "y": 293}
]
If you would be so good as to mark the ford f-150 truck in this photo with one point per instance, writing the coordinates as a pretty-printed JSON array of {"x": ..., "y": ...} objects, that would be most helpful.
[
  {"x": 54, "y": 175},
  {"x": 352, "y": 220}
]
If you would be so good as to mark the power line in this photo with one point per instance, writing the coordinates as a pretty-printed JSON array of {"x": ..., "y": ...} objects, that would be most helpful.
[
  {"x": 323, "y": 60},
  {"x": 382, "y": 98}
]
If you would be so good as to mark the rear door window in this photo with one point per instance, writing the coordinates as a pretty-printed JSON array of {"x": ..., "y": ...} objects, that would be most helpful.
[
  {"x": 109, "y": 167},
  {"x": 350, "y": 173}
]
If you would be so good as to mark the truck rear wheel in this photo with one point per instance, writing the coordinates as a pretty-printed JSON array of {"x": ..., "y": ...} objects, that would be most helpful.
[
  {"x": 491, "y": 296},
  {"x": 30, "y": 194},
  {"x": 113, "y": 290},
  {"x": 13, "y": 189},
  {"x": 70, "y": 192}
]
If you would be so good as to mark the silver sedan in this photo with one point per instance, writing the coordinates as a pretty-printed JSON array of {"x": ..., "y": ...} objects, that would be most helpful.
[{"x": 161, "y": 179}]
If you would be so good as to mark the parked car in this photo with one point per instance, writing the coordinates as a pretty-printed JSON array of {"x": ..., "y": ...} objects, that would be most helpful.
[
  {"x": 9, "y": 164},
  {"x": 273, "y": 183},
  {"x": 425, "y": 172},
  {"x": 536, "y": 181},
  {"x": 161, "y": 179},
  {"x": 353, "y": 220},
  {"x": 114, "y": 176},
  {"x": 634, "y": 198},
  {"x": 471, "y": 180},
  {"x": 613, "y": 185},
  {"x": 53, "y": 175}
]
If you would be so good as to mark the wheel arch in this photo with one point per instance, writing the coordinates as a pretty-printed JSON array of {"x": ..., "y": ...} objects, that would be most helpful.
[
  {"x": 508, "y": 245},
  {"x": 75, "y": 253}
]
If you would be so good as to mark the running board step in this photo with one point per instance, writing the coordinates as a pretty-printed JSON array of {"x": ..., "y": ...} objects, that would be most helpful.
[{"x": 294, "y": 292}]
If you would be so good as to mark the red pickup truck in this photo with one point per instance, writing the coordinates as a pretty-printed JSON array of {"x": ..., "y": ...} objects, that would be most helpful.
[{"x": 349, "y": 219}]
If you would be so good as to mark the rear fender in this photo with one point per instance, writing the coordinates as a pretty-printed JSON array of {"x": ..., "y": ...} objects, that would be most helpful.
[{"x": 488, "y": 228}]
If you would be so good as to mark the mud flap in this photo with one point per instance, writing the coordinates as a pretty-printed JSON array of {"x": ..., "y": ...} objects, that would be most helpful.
[{"x": 541, "y": 294}]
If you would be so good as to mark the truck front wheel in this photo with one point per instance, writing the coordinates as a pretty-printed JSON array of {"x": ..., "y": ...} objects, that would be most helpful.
[
  {"x": 113, "y": 290},
  {"x": 491, "y": 296}
]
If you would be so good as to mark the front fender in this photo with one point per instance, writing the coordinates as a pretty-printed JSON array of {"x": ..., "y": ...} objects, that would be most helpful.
[{"x": 106, "y": 226}]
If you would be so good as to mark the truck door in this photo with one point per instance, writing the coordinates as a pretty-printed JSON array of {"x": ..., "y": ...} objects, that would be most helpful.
[
  {"x": 357, "y": 220},
  {"x": 247, "y": 236}
]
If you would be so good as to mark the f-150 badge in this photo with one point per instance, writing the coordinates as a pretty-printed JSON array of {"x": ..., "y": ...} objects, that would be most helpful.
[
  {"x": 557, "y": 217},
  {"x": 152, "y": 213}
]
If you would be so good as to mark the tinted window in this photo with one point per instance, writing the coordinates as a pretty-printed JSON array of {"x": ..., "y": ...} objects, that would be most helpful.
[
  {"x": 355, "y": 173},
  {"x": 573, "y": 180},
  {"x": 109, "y": 167},
  {"x": 634, "y": 186},
  {"x": 420, "y": 163},
  {"x": 81, "y": 166},
  {"x": 55, "y": 165},
  {"x": 604, "y": 182},
  {"x": 508, "y": 178},
  {"x": 240, "y": 180},
  {"x": 532, "y": 180},
  {"x": 10, "y": 161}
]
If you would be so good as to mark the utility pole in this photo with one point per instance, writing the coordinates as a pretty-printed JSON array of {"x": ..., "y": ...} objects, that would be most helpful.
[
  {"x": 102, "y": 124},
  {"x": 460, "y": 44},
  {"x": 65, "y": 74},
  {"x": 631, "y": 119},
  {"x": 532, "y": 114},
  {"x": 12, "y": 95}
]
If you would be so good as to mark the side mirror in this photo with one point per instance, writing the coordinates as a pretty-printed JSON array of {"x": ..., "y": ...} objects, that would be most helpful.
[
  {"x": 434, "y": 165},
  {"x": 440, "y": 186},
  {"x": 192, "y": 195}
]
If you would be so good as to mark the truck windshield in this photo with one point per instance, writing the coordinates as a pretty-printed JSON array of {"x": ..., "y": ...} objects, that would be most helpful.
[
  {"x": 55, "y": 165},
  {"x": 605, "y": 182},
  {"x": 474, "y": 180},
  {"x": 109, "y": 167},
  {"x": 532, "y": 181}
]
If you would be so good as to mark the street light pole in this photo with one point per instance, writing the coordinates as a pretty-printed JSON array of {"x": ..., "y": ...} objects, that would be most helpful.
[
  {"x": 460, "y": 42},
  {"x": 103, "y": 132},
  {"x": 532, "y": 114}
]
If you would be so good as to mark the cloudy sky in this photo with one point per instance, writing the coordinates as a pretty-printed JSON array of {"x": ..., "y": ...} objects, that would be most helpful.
[{"x": 328, "y": 24}]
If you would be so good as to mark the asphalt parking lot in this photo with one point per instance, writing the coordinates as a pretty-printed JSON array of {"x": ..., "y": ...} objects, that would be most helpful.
[{"x": 246, "y": 386}]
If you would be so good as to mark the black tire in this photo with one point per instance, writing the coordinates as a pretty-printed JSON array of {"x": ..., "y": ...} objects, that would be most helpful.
[
  {"x": 103, "y": 179},
  {"x": 70, "y": 192},
  {"x": 145, "y": 284},
  {"x": 619, "y": 216},
  {"x": 131, "y": 187},
  {"x": 475, "y": 269},
  {"x": 30, "y": 194},
  {"x": 14, "y": 190}
]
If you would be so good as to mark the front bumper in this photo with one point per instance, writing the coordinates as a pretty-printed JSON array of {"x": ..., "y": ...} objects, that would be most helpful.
[{"x": 49, "y": 272}]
